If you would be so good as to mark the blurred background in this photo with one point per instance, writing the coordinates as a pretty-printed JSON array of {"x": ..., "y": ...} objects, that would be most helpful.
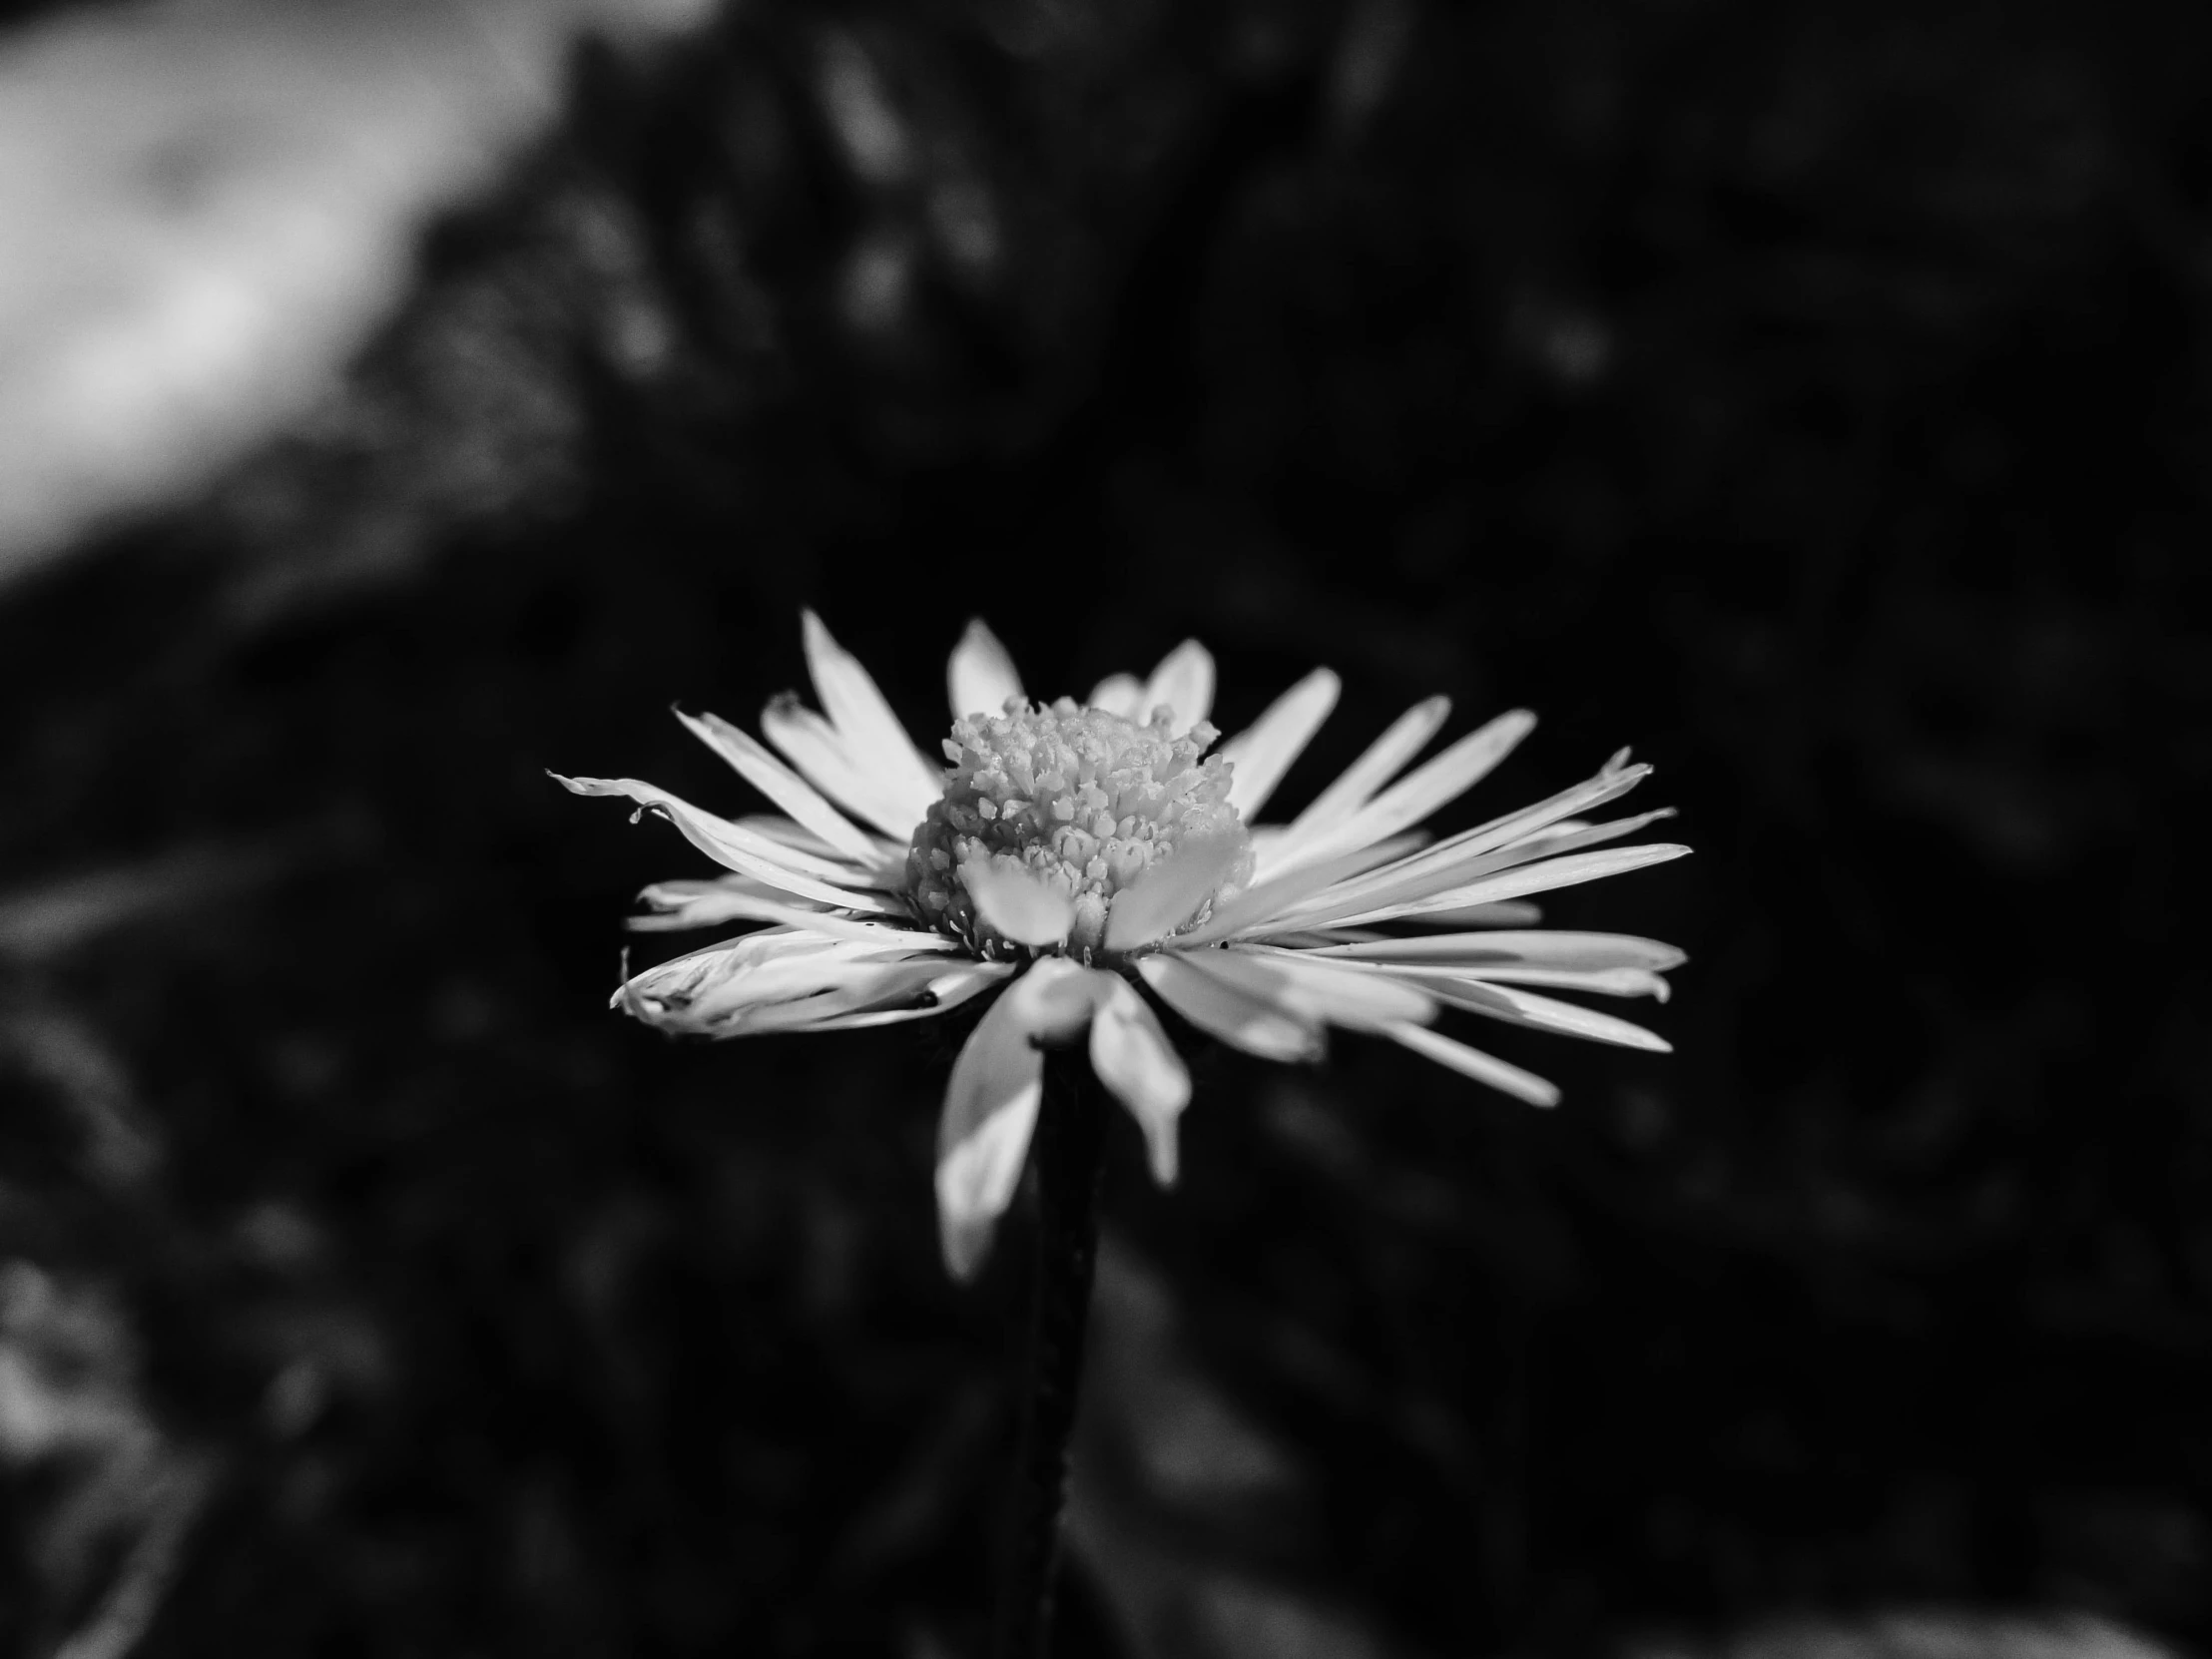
[{"x": 399, "y": 397}]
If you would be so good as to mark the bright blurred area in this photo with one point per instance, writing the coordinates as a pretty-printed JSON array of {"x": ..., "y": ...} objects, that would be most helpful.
[{"x": 399, "y": 398}]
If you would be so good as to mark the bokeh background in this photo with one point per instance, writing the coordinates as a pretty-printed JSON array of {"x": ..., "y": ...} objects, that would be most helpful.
[{"x": 399, "y": 398}]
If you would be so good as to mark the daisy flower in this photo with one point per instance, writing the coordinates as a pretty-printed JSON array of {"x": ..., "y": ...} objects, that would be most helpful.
[{"x": 1072, "y": 857}]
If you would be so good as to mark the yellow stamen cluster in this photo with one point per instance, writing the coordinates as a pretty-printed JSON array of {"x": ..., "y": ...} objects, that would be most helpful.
[{"x": 1076, "y": 798}]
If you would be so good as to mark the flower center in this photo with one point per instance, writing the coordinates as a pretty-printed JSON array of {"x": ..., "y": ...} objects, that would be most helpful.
[{"x": 1075, "y": 798}]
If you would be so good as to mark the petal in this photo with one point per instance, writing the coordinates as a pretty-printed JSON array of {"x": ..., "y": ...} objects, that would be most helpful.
[
  {"x": 915, "y": 990},
  {"x": 738, "y": 849},
  {"x": 1135, "y": 1060},
  {"x": 1164, "y": 897},
  {"x": 990, "y": 1103},
  {"x": 1184, "y": 680},
  {"x": 1435, "y": 783},
  {"x": 1509, "y": 912},
  {"x": 1016, "y": 905},
  {"x": 1551, "y": 948},
  {"x": 1264, "y": 750},
  {"x": 1512, "y": 883},
  {"x": 818, "y": 750},
  {"x": 1519, "y": 1007},
  {"x": 784, "y": 787},
  {"x": 1117, "y": 693},
  {"x": 1233, "y": 1016},
  {"x": 1385, "y": 758},
  {"x": 737, "y": 905},
  {"x": 875, "y": 738},
  {"x": 1473, "y": 1062},
  {"x": 1257, "y": 907},
  {"x": 980, "y": 677},
  {"x": 1458, "y": 859},
  {"x": 1336, "y": 992}
]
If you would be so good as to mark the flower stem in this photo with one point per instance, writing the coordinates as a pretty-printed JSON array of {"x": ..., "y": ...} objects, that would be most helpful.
[{"x": 1068, "y": 1171}]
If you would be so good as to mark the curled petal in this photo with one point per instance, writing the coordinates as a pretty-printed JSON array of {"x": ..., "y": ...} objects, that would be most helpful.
[
  {"x": 1137, "y": 1063},
  {"x": 991, "y": 1104},
  {"x": 1164, "y": 897},
  {"x": 1016, "y": 905}
]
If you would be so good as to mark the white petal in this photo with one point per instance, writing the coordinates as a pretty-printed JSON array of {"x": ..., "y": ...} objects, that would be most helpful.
[
  {"x": 1385, "y": 758},
  {"x": 1117, "y": 693},
  {"x": 738, "y": 849},
  {"x": 874, "y": 737},
  {"x": 1551, "y": 948},
  {"x": 1338, "y": 993},
  {"x": 818, "y": 750},
  {"x": 980, "y": 677},
  {"x": 967, "y": 981},
  {"x": 783, "y": 786},
  {"x": 1473, "y": 1062},
  {"x": 1236, "y": 1017},
  {"x": 1434, "y": 784},
  {"x": 736, "y": 904},
  {"x": 1265, "y": 749},
  {"x": 1458, "y": 860},
  {"x": 1510, "y": 912},
  {"x": 1135, "y": 1060},
  {"x": 991, "y": 1104},
  {"x": 714, "y": 990},
  {"x": 1258, "y": 905},
  {"x": 1184, "y": 680},
  {"x": 1519, "y": 1007},
  {"x": 1019, "y": 905},
  {"x": 1537, "y": 877},
  {"x": 1164, "y": 897}
]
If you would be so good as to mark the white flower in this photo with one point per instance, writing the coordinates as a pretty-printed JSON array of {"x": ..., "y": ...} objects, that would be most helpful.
[{"x": 1080, "y": 851}]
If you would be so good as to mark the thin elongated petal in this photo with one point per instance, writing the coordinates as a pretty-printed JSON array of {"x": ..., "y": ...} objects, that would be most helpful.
[
  {"x": 1434, "y": 784},
  {"x": 991, "y": 1104},
  {"x": 1254, "y": 910},
  {"x": 1137, "y": 1063},
  {"x": 1473, "y": 1062},
  {"x": 1337, "y": 993},
  {"x": 1509, "y": 912},
  {"x": 1164, "y": 897},
  {"x": 1236, "y": 1017},
  {"x": 1546, "y": 1013},
  {"x": 1184, "y": 680},
  {"x": 820, "y": 752},
  {"x": 1266, "y": 749},
  {"x": 1385, "y": 758},
  {"x": 1458, "y": 860},
  {"x": 784, "y": 787},
  {"x": 736, "y": 848},
  {"x": 1583, "y": 953},
  {"x": 873, "y": 733},
  {"x": 1020, "y": 906},
  {"x": 1117, "y": 693},
  {"x": 1511, "y": 883},
  {"x": 981, "y": 676}
]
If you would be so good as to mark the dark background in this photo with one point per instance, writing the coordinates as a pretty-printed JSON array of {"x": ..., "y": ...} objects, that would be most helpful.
[{"x": 1813, "y": 395}]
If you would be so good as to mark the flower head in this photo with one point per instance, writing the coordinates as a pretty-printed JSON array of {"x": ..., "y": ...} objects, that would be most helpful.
[{"x": 1074, "y": 853}]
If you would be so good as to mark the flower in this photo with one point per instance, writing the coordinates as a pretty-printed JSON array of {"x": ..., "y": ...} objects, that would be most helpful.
[{"x": 1075, "y": 851}]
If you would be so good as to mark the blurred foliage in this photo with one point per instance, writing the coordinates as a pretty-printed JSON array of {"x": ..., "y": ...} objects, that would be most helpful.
[{"x": 1812, "y": 395}]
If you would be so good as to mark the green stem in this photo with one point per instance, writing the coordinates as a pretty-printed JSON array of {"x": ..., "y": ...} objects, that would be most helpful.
[{"x": 1068, "y": 1166}]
